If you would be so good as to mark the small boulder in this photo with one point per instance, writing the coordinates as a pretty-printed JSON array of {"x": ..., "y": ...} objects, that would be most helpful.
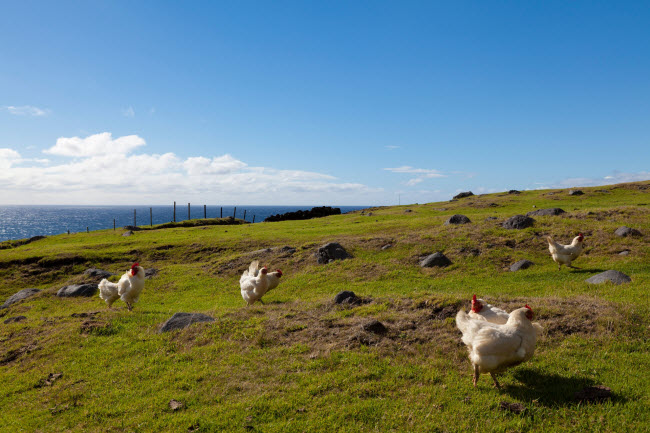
[
  {"x": 183, "y": 320},
  {"x": 346, "y": 297},
  {"x": 149, "y": 273},
  {"x": 615, "y": 277},
  {"x": 512, "y": 407},
  {"x": 19, "y": 296},
  {"x": 624, "y": 253},
  {"x": 127, "y": 233},
  {"x": 76, "y": 290},
  {"x": 626, "y": 231},
  {"x": 387, "y": 246},
  {"x": 374, "y": 326},
  {"x": 457, "y": 219},
  {"x": 521, "y": 264},
  {"x": 408, "y": 211},
  {"x": 98, "y": 273},
  {"x": 332, "y": 251},
  {"x": 463, "y": 195},
  {"x": 514, "y": 191},
  {"x": 438, "y": 259},
  {"x": 546, "y": 212},
  {"x": 518, "y": 222},
  {"x": 575, "y": 192}
]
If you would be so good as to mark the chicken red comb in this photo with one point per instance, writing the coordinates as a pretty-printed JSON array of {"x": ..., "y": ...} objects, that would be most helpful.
[
  {"x": 473, "y": 298},
  {"x": 529, "y": 307},
  {"x": 134, "y": 265}
]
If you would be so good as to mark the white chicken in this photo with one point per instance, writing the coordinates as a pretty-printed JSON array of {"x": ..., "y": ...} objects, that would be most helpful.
[
  {"x": 493, "y": 348},
  {"x": 128, "y": 288},
  {"x": 273, "y": 277},
  {"x": 481, "y": 310},
  {"x": 254, "y": 287},
  {"x": 565, "y": 254}
]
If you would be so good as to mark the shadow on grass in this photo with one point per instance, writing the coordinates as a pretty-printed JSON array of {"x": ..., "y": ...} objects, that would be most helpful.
[
  {"x": 587, "y": 271},
  {"x": 549, "y": 390}
]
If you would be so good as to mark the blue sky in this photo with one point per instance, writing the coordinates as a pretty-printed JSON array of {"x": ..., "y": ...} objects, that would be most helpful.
[{"x": 348, "y": 103}]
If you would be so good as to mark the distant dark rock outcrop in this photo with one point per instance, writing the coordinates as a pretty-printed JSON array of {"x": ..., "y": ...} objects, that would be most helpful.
[
  {"x": 458, "y": 219},
  {"x": 615, "y": 277},
  {"x": 346, "y": 297},
  {"x": 76, "y": 290},
  {"x": 463, "y": 195},
  {"x": 546, "y": 212},
  {"x": 316, "y": 212},
  {"x": 98, "y": 273},
  {"x": 183, "y": 320},
  {"x": 518, "y": 222},
  {"x": 438, "y": 260},
  {"x": 626, "y": 231},
  {"x": 19, "y": 296},
  {"x": 575, "y": 192},
  {"x": 330, "y": 252}
]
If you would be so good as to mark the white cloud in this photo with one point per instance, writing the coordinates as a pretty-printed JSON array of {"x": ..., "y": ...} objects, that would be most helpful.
[
  {"x": 97, "y": 144},
  {"x": 128, "y": 112},
  {"x": 391, "y": 147},
  {"x": 27, "y": 110},
  {"x": 105, "y": 171},
  {"x": 616, "y": 177},
  {"x": 422, "y": 173}
]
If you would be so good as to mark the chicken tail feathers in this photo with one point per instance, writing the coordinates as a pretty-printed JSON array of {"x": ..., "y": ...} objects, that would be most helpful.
[
  {"x": 253, "y": 268},
  {"x": 462, "y": 321}
]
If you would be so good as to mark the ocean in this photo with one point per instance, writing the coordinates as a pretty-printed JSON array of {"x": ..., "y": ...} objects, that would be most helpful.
[{"x": 21, "y": 222}]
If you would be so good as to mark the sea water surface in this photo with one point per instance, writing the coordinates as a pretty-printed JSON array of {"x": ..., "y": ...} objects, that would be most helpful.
[{"x": 21, "y": 222}]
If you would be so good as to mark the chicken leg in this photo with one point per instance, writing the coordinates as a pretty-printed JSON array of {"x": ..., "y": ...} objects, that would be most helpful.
[
  {"x": 476, "y": 374},
  {"x": 496, "y": 382}
]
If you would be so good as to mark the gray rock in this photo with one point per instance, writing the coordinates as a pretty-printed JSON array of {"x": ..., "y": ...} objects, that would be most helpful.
[
  {"x": 374, "y": 326},
  {"x": 149, "y": 273},
  {"x": 19, "y": 296},
  {"x": 546, "y": 212},
  {"x": 183, "y": 320},
  {"x": 575, "y": 192},
  {"x": 463, "y": 195},
  {"x": 626, "y": 231},
  {"x": 346, "y": 297},
  {"x": 518, "y": 222},
  {"x": 128, "y": 233},
  {"x": 99, "y": 273},
  {"x": 330, "y": 252},
  {"x": 615, "y": 277},
  {"x": 624, "y": 253},
  {"x": 15, "y": 319},
  {"x": 457, "y": 219},
  {"x": 76, "y": 290},
  {"x": 438, "y": 259},
  {"x": 408, "y": 211},
  {"x": 514, "y": 191},
  {"x": 385, "y": 247},
  {"x": 521, "y": 264}
]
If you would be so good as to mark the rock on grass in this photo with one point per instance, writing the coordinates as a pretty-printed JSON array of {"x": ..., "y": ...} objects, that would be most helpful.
[
  {"x": 457, "y": 219},
  {"x": 615, "y": 277},
  {"x": 518, "y": 222},
  {"x": 553, "y": 211},
  {"x": 330, "y": 252},
  {"x": 463, "y": 195},
  {"x": 76, "y": 290},
  {"x": 19, "y": 296},
  {"x": 626, "y": 231},
  {"x": 183, "y": 320},
  {"x": 438, "y": 260},
  {"x": 521, "y": 264},
  {"x": 346, "y": 297},
  {"x": 592, "y": 394}
]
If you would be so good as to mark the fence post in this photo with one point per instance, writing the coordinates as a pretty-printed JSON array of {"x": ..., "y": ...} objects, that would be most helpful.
[
  {"x": 188, "y": 212},
  {"x": 205, "y": 211},
  {"x": 151, "y": 217},
  {"x": 68, "y": 231},
  {"x": 134, "y": 224},
  {"x": 244, "y": 214},
  {"x": 221, "y": 215},
  {"x": 253, "y": 219},
  {"x": 87, "y": 231},
  {"x": 234, "y": 212},
  {"x": 174, "y": 211},
  {"x": 113, "y": 225}
]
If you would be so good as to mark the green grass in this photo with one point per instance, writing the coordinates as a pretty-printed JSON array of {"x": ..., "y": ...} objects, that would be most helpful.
[{"x": 299, "y": 363}]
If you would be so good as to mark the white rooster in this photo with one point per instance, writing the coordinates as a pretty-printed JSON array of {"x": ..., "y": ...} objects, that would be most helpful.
[
  {"x": 493, "y": 348},
  {"x": 565, "y": 254},
  {"x": 481, "y": 310},
  {"x": 128, "y": 288},
  {"x": 254, "y": 287},
  {"x": 273, "y": 277}
]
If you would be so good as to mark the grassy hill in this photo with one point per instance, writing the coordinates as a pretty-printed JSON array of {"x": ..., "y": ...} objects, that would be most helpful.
[{"x": 299, "y": 362}]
